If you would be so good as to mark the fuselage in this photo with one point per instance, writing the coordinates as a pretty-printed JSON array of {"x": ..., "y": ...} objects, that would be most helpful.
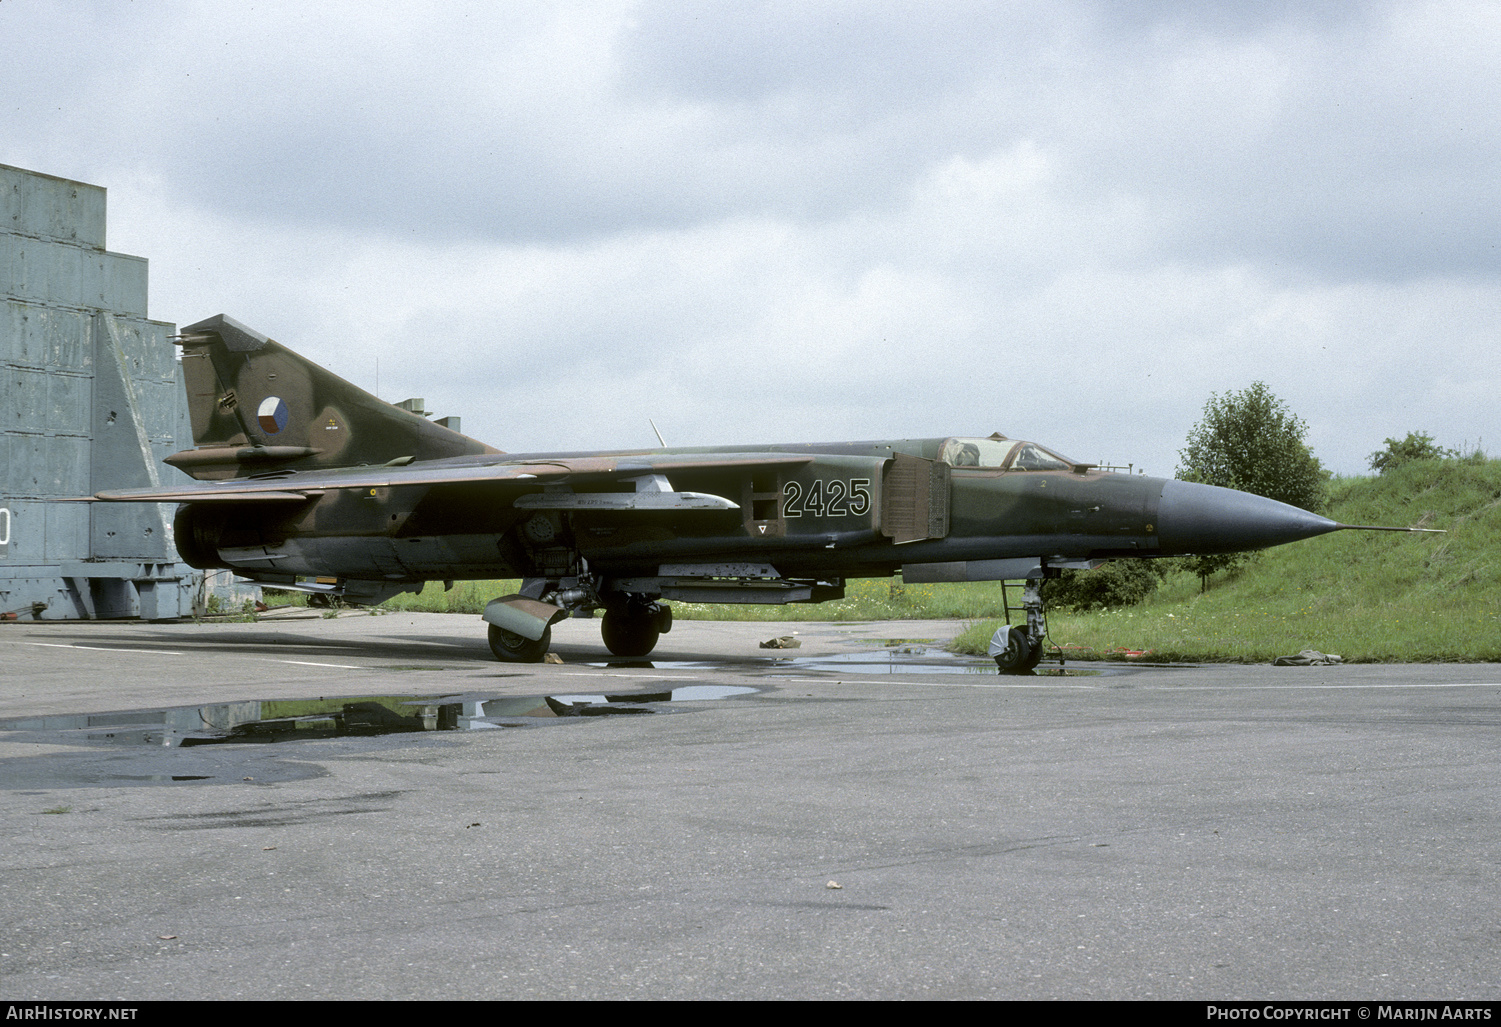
[{"x": 839, "y": 510}]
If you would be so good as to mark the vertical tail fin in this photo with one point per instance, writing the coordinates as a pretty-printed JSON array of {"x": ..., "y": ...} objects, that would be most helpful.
[{"x": 257, "y": 406}]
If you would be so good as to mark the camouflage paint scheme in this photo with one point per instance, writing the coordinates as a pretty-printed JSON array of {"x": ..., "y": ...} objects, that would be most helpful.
[{"x": 302, "y": 475}]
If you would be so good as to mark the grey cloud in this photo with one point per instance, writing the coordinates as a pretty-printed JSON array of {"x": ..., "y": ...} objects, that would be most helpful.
[
  {"x": 607, "y": 207},
  {"x": 1344, "y": 145}
]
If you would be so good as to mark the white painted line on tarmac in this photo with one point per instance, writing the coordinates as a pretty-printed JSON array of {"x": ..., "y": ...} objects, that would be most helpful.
[
  {"x": 305, "y": 663},
  {"x": 895, "y": 678},
  {"x": 615, "y": 674},
  {"x": 103, "y": 649},
  {"x": 1046, "y": 682},
  {"x": 1357, "y": 684},
  {"x": 905, "y": 679},
  {"x": 168, "y": 652}
]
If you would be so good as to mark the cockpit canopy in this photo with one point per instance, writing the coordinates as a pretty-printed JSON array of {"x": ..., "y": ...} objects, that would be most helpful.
[{"x": 1001, "y": 453}]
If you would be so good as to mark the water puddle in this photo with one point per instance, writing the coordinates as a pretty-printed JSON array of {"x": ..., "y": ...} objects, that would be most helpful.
[
  {"x": 910, "y": 659},
  {"x": 907, "y": 658},
  {"x": 902, "y": 659},
  {"x": 901, "y": 656},
  {"x": 280, "y": 720}
]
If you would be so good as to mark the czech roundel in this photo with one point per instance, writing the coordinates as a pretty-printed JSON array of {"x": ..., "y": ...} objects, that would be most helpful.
[{"x": 272, "y": 414}]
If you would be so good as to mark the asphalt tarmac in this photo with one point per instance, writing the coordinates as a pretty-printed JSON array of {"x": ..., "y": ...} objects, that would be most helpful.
[{"x": 876, "y": 820}]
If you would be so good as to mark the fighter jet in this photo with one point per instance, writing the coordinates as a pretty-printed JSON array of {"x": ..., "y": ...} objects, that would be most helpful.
[{"x": 306, "y": 482}]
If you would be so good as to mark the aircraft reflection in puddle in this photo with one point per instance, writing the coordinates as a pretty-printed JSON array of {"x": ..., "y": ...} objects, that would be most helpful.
[
  {"x": 902, "y": 658},
  {"x": 280, "y": 720}
]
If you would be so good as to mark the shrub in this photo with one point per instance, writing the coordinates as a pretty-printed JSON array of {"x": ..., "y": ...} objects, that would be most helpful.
[
  {"x": 1418, "y": 445},
  {"x": 1117, "y": 583}
]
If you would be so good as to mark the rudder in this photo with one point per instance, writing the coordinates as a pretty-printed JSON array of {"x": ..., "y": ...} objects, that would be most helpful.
[{"x": 257, "y": 406}]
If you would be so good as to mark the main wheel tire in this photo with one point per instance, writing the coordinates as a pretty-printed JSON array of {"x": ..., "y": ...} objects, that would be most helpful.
[
  {"x": 629, "y": 632},
  {"x": 510, "y": 647},
  {"x": 1018, "y": 651}
]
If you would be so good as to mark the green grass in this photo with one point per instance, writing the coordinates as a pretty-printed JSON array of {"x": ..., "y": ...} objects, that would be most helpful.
[
  {"x": 865, "y": 599},
  {"x": 1366, "y": 596},
  {"x": 870, "y": 599},
  {"x": 464, "y": 597}
]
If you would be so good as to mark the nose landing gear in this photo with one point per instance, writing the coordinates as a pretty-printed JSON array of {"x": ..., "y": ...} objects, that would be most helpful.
[
  {"x": 1014, "y": 651},
  {"x": 1017, "y": 648}
]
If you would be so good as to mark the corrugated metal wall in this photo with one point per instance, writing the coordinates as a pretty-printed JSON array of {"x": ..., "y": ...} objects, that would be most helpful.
[{"x": 91, "y": 397}]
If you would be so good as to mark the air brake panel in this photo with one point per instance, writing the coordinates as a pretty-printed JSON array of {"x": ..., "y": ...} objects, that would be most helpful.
[{"x": 914, "y": 499}]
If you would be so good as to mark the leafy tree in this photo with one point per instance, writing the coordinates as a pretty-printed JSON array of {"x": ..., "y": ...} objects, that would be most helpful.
[
  {"x": 1418, "y": 445},
  {"x": 1250, "y": 441}
]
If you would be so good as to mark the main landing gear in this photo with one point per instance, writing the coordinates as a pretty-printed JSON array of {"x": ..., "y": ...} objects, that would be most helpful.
[
  {"x": 509, "y": 647},
  {"x": 521, "y": 625},
  {"x": 631, "y": 629}
]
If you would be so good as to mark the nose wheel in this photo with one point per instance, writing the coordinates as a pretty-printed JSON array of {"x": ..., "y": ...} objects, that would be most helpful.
[
  {"x": 1017, "y": 648},
  {"x": 1013, "y": 651}
]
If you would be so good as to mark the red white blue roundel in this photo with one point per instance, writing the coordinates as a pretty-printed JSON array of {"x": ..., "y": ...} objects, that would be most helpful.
[{"x": 272, "y": 414}]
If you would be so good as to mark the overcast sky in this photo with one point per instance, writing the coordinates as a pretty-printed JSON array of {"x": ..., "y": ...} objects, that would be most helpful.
[{"x": 811, "y": 220}]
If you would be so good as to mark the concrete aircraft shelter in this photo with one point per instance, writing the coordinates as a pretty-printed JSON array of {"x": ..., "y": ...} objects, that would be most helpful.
[{"x": 91, "y": 398}]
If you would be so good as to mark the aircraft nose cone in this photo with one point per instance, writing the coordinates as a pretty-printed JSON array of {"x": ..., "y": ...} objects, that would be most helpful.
[{"x": 1200, "y": 519}]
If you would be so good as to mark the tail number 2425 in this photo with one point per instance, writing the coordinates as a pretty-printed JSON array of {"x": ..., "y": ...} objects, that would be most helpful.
[{"x": 832, "y": 498}]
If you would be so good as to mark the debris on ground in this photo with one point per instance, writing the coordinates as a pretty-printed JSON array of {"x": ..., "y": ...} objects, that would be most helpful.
[
  {"x": 782, "y": 642},
  {"x": 1308, "y": 658}
]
